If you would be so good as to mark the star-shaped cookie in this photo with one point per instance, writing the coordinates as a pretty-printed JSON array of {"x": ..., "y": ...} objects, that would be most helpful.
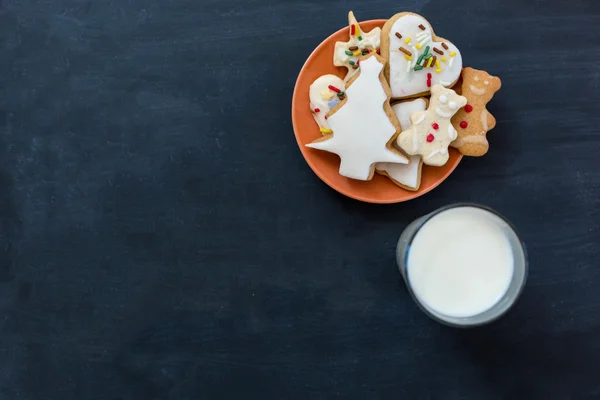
[{"x": 347, "y": 54}]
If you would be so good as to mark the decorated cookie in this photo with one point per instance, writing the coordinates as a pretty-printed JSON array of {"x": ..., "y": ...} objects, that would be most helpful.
[
  {"x": 324, "y": 94},
  {"x": 347, "y": 54},
  {"x": 417, "y": 58},
  {"x": 363, "y": 124},
  {"x": 431, "y": 131},
  {"x": 407, "y": 176},
  {"x": 474, "y": 121}
]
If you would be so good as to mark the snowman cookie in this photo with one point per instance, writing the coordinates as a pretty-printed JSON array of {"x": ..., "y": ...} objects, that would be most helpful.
[
  {"x": 363, "y": 124},
  {"x": 417, "y": 58},
  {"x": 474, "y": 121},
  {"x": 324, "y": 94},
  {"x": 431, "y": 131},
  {"x": 360, "y": 43}
]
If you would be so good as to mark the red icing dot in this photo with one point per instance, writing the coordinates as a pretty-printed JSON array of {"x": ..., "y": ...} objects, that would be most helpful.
[
  {"x": 326, "y": 117},
  {"x": 429, "y": 75},
  {"x": 317, "y": 110},
  {"x": 468, "y": 108},
  {"x": 464, "y": 124},
  {"x": 435, "y": 126},
  {"x": 430, "y": 137}
]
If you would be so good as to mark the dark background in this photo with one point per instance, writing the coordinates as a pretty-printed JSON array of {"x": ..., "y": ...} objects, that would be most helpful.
[{"x": 161, "y": 236}]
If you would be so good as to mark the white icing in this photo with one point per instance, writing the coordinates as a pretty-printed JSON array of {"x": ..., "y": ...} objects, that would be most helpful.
[
  {"x": 362, "y": 141},
  {"x": 452, "y": 105},
  {"x": 417, "y": 119},
  {"x": 443, "y": 99},
  {"x": 415, "y": 140},
  {"x": 405, "y": 109},
  {"x": 405, "y": 84},
  {"x": 405, "y": 174},
  {"x": 477, "y": 90},
  {"x": 452, "y": 132},
  {"x": 431, "y": 154},
  {"x": 443, "y": 114},
  {"x": 469, "y": 139},
  {"x": 370, "y": 40},
  {"x": 317, "y": 101},
  {"x": 484, "y": 119}
]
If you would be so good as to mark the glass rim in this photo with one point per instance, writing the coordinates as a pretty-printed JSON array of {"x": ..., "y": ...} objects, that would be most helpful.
[{"x": 422, "y": 306}]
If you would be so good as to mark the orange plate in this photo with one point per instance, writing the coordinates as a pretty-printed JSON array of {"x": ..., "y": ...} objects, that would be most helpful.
[{"x": 378, "y": 190}]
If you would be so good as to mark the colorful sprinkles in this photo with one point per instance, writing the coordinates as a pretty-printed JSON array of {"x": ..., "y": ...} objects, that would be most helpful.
[
  {"x": 445, "y": 46},
  {"x": 408, "y": 53},
  {"x": 333, "y": 88},
  {"x": 325, "y": 130},
  {"x": 438, "y": 51},
  {"x": 421, "y": 27},
  {"x": 399, "y": 36}
]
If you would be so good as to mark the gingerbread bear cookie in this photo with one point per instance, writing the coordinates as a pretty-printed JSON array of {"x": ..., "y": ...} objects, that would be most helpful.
[
  {"x": 417, "y": 58},
  {"x": 364, "y": 125},
  {"x": 360, "y": 43},
  {"x": 431, "y": 131},
  {"x": 474, "y": 121}
]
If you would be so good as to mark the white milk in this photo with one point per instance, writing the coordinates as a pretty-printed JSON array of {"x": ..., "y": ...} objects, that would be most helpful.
[{"x": 460, "y": 262}]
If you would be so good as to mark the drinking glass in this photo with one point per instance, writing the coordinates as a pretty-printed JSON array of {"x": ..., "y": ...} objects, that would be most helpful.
[{"x": 515, "y": 287}]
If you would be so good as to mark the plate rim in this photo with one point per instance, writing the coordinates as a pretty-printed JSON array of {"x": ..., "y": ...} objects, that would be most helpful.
[{"x": 410, "y": 194}]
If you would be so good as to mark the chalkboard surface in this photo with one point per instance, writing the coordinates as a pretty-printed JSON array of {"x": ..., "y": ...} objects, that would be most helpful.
[{"x": 161, "y": 236}]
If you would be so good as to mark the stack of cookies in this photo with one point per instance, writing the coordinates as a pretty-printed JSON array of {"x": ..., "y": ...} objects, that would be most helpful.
[{"x": 404, "y": 100}]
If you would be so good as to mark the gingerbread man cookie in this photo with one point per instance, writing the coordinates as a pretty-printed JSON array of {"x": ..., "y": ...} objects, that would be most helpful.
[
  {"x": 360, "y": 43},
  {"x": 474, "y": 120},
  {"x": 431, "y": 131},
  {"x": 364, "y": 125}
]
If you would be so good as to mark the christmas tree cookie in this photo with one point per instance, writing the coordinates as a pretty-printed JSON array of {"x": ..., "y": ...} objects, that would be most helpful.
[{"x": 364, "y": 125}]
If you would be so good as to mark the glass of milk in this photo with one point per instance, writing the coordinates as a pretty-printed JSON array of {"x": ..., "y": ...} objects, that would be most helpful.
[{"x": 464, "y": 264}]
